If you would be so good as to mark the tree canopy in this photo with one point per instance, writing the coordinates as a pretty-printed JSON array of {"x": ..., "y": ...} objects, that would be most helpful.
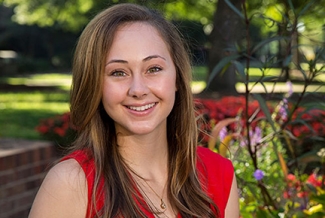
[{"x": 73, "y": 15}]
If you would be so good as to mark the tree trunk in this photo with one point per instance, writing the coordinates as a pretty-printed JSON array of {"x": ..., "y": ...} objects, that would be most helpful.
[{"x": 227, "y": 31}]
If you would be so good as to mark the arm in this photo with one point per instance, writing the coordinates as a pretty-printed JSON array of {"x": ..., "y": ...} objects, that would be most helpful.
[
  {"x": 232, "y": 208},
  {"x": 63, "y": 193}
]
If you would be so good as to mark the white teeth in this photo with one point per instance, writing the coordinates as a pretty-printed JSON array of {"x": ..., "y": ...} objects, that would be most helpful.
[{"x": 142, "y": 108}]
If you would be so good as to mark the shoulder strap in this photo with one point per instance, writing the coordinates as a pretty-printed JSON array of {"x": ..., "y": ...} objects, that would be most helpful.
[
  {"x": 87, "y": 164},
  {"x": 216, "y": 175}
]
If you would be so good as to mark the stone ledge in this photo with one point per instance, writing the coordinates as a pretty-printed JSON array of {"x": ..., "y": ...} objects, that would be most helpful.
[{"x": 9, "y": 146}]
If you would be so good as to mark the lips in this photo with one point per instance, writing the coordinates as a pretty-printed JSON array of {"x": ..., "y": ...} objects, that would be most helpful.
[{"x": 141, "y": 108}]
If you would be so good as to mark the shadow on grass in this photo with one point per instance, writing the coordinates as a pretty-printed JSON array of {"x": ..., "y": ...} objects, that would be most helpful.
[{"x": 22, "y": 123}]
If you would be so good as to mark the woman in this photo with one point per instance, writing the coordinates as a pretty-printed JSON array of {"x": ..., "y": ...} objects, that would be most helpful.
[{"x": 136, "y": 153}]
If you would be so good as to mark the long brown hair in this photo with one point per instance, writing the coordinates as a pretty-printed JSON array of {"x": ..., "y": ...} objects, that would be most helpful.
[{"x": 97, "y": 132}]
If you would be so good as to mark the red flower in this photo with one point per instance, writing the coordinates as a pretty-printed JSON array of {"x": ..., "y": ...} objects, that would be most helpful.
[
  {"x": 65, "y": 117},
  {"x": 286, "y": 195},
  {"x": 293, "y": 182},
  {"x": 313, "y": 180},
  {"x": 302, "y": 194},
  {"x": 291, "y": 177},
  {"x": 42, "y": 129},
  {"x": 59, "y": 131}
]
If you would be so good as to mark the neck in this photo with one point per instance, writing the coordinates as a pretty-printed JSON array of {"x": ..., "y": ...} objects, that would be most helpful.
[{"x": 147, "y": 155}]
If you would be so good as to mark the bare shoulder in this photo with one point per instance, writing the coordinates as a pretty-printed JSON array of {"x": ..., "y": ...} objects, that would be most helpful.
[
  {"x": 63, "y": 192},
  {"x": 69, "y": 172},
  {"x": 232, "y": 208}
]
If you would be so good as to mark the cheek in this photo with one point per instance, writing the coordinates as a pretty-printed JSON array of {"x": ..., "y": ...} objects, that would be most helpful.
[
  {"x": 111, "y": 94},
  {"x": 165, "y": 87},
  {"x": 168, "y": 88}
]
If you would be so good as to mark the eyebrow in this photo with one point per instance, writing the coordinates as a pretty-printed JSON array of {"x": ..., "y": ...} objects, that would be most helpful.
[{"x": 144, "y": 60}]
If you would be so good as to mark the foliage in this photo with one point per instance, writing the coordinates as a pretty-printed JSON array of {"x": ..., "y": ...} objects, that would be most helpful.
[
  {"x": 276, "y": 141},
  {"x": 58, "y": 129},
  {"x": 67, "y": 14},
  {"x": 73, "y": 15},
  {"x": 265, "y": 170}
]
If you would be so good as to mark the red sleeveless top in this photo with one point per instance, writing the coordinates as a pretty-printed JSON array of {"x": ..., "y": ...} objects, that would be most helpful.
[{"x": 215, "y": 172}]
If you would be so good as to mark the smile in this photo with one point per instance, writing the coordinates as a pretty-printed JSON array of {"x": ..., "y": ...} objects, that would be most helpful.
[{"x": 142, "y": 108}]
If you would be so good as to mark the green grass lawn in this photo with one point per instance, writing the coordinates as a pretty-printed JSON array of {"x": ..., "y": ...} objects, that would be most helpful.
[{"x": 21, "y": 112}]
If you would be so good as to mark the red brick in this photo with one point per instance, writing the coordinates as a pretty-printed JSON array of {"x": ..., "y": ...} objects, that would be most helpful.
[
  {"x": 20, "y": 177},
  {"x": 7, "y": 162}
]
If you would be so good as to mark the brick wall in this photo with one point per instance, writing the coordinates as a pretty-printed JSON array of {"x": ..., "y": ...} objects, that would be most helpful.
[{"x": 23, "y": 165}]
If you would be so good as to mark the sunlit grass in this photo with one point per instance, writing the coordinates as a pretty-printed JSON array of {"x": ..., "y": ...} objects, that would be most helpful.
[
  {"x": 55, "y": 107},
  {"x": 49, "y": 79},
  {"x": 36, "y": 96},
  {"x": 199, "y": 83},
  {"x": 198, "y": 86},
  {"x": 21, "y": 112}
]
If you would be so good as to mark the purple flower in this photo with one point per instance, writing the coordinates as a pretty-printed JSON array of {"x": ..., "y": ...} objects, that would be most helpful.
[
  {"x": 258, "y": 174},
  {"x": 290, "y": 87},
  {"x": 223, "y": 133},
  {"x": 283, "y": 109},
  {"x": 256, "y": 136}
]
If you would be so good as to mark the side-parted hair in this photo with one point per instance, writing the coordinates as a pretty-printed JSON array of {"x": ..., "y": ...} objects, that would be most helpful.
[{"x": 96, "y": 131}]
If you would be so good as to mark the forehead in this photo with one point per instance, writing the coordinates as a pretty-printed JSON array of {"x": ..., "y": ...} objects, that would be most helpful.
[
  {"x": 137, "y": 34},
  {"x": 137, "y": 27}
]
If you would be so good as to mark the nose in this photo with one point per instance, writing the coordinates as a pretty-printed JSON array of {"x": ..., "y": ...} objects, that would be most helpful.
[{"x": 138, "y": 87}]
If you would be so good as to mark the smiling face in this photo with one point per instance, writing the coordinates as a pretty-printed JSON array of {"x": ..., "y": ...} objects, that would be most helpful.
[{"x": 140, "y": 80}]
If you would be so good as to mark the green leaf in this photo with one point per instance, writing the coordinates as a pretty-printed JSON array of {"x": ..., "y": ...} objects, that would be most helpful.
[
  {"x": 303, "y": 122},
  {"x": 319, "y": 198},
  {"x": 221, "y": 67},
  {"x": 313, "y": 105},
  {"x": 263, "y": 213},
  {"x": 265, "y": 42},
  {"x": 317, "y": 215},
  {"x": 311, "y": 188},
  {"x": 265, "y": 109},
  {"x": 310, "y": 3},
  {"x": 306, "y": 158},
  {"x": 287, "y": 61},
  {"x": 265, "y": 89},
  {"x": 302, "y": 71},
  {"x": 240, "y": 69},
  {"x": 291, "y": 6},
  {"x": 235, "y": 9}
]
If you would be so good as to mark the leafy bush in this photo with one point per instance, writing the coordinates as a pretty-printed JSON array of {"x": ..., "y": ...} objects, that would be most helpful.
[
  {"x": 276, "y": 140},
  {"x": 267, "y": 182},
  {"x": 58, "y": 129}
]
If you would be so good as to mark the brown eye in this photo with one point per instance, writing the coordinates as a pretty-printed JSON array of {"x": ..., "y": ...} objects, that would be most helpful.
[
  {"x": 154, "y": 69},
  {"x": 118, "y": 73}
]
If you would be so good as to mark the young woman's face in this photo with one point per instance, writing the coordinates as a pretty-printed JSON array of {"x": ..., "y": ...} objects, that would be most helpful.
[{"x": 140, "y": 80}]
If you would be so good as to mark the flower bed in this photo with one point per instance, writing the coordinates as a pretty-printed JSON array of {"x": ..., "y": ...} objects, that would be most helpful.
[
  {"x": 263, "y": 145},
  {"x": 270, "y": 149}
]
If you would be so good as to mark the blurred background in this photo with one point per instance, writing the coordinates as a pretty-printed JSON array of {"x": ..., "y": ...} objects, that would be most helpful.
[
  {"x": 38, "y": 37},
  {"x": 272, "y": 51}
]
